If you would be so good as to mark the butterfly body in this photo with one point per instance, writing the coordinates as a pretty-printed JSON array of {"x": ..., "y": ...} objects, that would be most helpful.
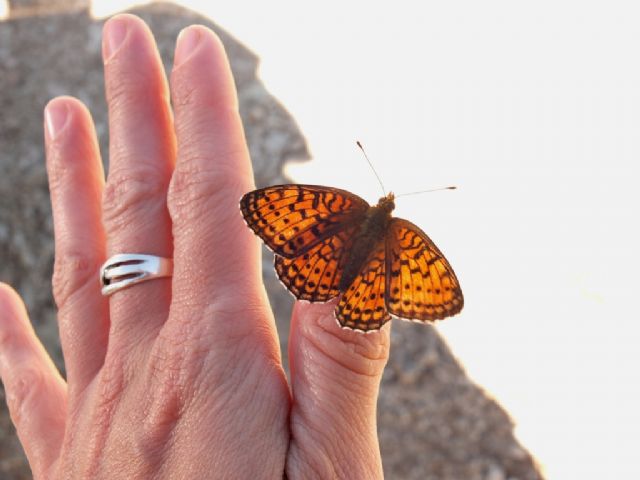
[
  {"x": 372, "y": 231},
  {"x": 331, "y": 243}
]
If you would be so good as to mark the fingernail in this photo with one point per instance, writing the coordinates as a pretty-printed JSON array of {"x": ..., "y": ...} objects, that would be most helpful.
[
  {"x": 188, "y": 40},
  {"x": 115, "y": 31},
  {"x": 56, "y": 115}
]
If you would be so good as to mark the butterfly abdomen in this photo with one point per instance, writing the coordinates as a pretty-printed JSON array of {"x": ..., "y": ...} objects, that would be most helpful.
[{"x": 371, "y": 233}]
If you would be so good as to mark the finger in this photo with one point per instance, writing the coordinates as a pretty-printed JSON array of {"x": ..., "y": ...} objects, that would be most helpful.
[
  {"x": 335, "y": 379},
  {"x": 216, "y": 256},
  {"x": 36, "y": 394},
  {"x": 142, "y": 154},
  {"x": 76, "y": 180}
]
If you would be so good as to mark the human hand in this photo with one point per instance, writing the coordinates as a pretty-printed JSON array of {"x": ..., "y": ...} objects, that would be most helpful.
[{"x": 177, "y": 377}]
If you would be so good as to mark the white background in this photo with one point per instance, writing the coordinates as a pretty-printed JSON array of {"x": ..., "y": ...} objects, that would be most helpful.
[{"x": 533, "y": 110}]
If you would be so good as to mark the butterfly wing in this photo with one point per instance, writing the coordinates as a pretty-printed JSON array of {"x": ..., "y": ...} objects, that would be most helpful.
[
  {"x": 362, "y": 306},
  {"x": 421, "y": 284},
  {"x": 315, "y": 275},
  {"x": 292, "y": 219}
]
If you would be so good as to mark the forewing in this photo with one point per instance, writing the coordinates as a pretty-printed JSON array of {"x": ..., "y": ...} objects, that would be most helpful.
[
  {"x": 315, "y": 275},
  {"x": 421, "y": 284},
  {"x": 291, "y": 219},
  {"x": 362, "y": 306}
]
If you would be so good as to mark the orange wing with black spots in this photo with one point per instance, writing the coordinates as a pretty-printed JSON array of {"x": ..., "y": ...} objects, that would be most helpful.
[
  {"x": 421, "y": 284},
  {"x": 315, "y": 275},
  {"x": 292, "y": 219},
  {"x": 362, "y": 306}
]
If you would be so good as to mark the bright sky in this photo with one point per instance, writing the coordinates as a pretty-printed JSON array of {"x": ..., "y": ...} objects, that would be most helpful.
[{"x": 533, "y": 110}]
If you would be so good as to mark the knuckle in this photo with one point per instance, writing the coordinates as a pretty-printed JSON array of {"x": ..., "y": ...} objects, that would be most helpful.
[
  {"x": 21, "y": 393},
  {"x": 184, "y": 92},
  {"x": 129, "y": 192},
  {"x": 132, "y": 85},
  {"x": 72, "y": 271},
  {"x": 196, "y": 91},
  {"x": 194, "y": 191},
  {"x": 9, "y": 337}
]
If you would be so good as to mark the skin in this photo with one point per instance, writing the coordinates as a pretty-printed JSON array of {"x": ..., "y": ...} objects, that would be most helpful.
[{"x": 178, "y": 377}]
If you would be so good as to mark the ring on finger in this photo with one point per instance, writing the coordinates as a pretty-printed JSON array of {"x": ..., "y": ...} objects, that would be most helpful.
[{"x": 126, "y": 269}]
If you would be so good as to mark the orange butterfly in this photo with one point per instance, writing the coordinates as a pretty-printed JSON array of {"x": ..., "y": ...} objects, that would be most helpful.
[{"x": 330, "y": 242}]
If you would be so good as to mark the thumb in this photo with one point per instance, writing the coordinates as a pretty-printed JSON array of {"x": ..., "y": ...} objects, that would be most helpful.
[{"x": 335, "y": 380}]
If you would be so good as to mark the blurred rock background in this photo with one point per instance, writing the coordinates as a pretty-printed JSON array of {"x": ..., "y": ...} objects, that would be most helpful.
[{"x": 434, "y": 422}]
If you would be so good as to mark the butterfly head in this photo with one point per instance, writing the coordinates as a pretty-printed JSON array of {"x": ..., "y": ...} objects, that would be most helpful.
[{"x": 387, "y": 203}]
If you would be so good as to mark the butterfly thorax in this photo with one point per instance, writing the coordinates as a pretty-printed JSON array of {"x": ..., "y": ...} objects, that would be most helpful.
[{"x": 371, "y": 232}]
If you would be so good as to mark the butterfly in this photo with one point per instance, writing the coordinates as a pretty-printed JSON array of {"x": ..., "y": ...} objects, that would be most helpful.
[{"x": 329, "y": 242}]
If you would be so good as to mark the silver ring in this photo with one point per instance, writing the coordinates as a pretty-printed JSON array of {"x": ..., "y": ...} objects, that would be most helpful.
[{"x": 126, "y": 269}]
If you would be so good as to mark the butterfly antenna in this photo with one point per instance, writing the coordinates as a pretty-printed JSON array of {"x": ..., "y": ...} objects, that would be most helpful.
[
  {"x": 427, "y": 191},
  {"x": 371, "y": 165}
]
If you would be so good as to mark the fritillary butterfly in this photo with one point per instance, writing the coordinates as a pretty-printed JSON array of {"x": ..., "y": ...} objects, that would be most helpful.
[{"x": 329, "y": 242}]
